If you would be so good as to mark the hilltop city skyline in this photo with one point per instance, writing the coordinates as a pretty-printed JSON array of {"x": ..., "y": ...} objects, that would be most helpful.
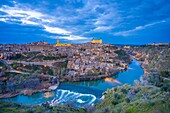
[{"x": 78, "y": 21}]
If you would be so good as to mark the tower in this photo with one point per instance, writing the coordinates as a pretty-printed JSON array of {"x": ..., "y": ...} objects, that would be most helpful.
[
  {"x": 58, "y": 41},
  {"x": 58, "y": 44}
]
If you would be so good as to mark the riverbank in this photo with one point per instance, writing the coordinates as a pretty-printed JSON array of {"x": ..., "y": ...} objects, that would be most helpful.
[
  {"x": 28, "y": 92},
  {"x": 155, "y": 63},
  {"x": 79, "y": 78},
  {"x": 27, "y": 85},
  {"x": 142, "y": 80},
  {"x": 85, "y": 78}
]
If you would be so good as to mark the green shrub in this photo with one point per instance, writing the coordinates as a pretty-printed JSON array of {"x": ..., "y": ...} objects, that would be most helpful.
[
  {"x": 127, "y": 100},
  {"x": 115, "y": 102}
]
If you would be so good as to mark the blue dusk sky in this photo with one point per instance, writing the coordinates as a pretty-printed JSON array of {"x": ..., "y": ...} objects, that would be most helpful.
[{"x": 78, "y": 21}]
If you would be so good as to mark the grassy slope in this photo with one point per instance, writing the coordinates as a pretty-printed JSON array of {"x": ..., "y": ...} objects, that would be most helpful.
[
  {"x": 129, "y": 99},
  {"x": 6, "y": 107}
]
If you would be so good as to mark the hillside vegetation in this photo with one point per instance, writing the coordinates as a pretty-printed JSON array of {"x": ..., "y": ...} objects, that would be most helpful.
[{"x": 129, "y": 99}]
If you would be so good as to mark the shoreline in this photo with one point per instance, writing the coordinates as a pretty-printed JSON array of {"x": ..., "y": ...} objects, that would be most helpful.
[
  {"x": 139, "y": 82},
  {"x": 143, "y": 79},
  {"x": 86, "y": 78},
  {"x": 29, "y": 92},
  {"x": 91, "y": 78}
]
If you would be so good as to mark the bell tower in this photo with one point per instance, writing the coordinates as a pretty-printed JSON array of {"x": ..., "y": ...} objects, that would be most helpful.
[{"x": 58, "y": 41}]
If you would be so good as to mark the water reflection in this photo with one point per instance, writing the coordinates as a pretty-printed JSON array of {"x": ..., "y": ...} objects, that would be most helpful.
[
  {"x": 112, "y": 80},
  {"x": 48, "y": 94},
  {"x": 86, "y": 83}
]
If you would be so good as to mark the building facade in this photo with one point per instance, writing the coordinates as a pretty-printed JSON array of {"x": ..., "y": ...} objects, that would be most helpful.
[
  {"x": 58, "y": 44},
  {"x": 96, "y": 41}
]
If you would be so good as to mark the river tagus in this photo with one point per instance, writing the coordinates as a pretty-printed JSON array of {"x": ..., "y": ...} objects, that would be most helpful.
[{"x": 85, "y": 93}]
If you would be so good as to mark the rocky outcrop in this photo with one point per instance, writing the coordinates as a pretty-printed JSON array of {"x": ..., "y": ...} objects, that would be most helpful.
[
  {"x": 26, "y": 85},
  {"x": 28, "y": 92},
  {"x": 155, "y": 60}
]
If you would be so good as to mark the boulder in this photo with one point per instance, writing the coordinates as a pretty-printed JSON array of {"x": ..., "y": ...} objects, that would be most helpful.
[{"x": 28, "y": 92}]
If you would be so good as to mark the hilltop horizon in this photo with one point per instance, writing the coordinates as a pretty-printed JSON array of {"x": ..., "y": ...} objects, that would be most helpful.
[{"x": 54, "y": 42}]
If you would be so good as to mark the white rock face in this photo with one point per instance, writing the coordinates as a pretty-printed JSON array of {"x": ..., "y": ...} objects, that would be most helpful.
[{"x": 54, "y": 87}]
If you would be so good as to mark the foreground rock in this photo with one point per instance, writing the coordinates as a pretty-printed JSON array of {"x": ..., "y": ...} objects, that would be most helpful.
[{"x": 28, "y": 85}]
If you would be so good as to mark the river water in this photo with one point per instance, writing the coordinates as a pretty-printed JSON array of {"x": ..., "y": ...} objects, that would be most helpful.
[{"x": 85, "y": 93}]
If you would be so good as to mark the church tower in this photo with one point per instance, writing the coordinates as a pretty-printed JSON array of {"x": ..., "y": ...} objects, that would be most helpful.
[
  {"x": 58, "y": 41},
  {"x": 58, "y": 44}
]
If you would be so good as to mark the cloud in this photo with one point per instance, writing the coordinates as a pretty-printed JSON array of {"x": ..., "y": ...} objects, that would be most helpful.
[
  {"x": 21, "y": 12},
  {"x": 129, "y": 32},
  {"x": 74, "y": 20},
  {"x": 27, "y": 22},
  {"x": 24, "y": 15},
  {"x": 73, "y": 38},
  {"x": 104, "y": 16},
  {"x": 102, "y": 28},
  {"x": 56, "y": 30},
  {"x": 91, "y": 17},
  {"x": 3, "y": 19},
  {"x": 27, "y": 16}
]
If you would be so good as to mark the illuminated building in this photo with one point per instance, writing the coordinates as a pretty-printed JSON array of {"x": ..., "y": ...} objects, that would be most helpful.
[
  {"x": 126, "y": 47},
  {"x": 58, "y": 44},
  {"x": 96, "y": 41}
]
